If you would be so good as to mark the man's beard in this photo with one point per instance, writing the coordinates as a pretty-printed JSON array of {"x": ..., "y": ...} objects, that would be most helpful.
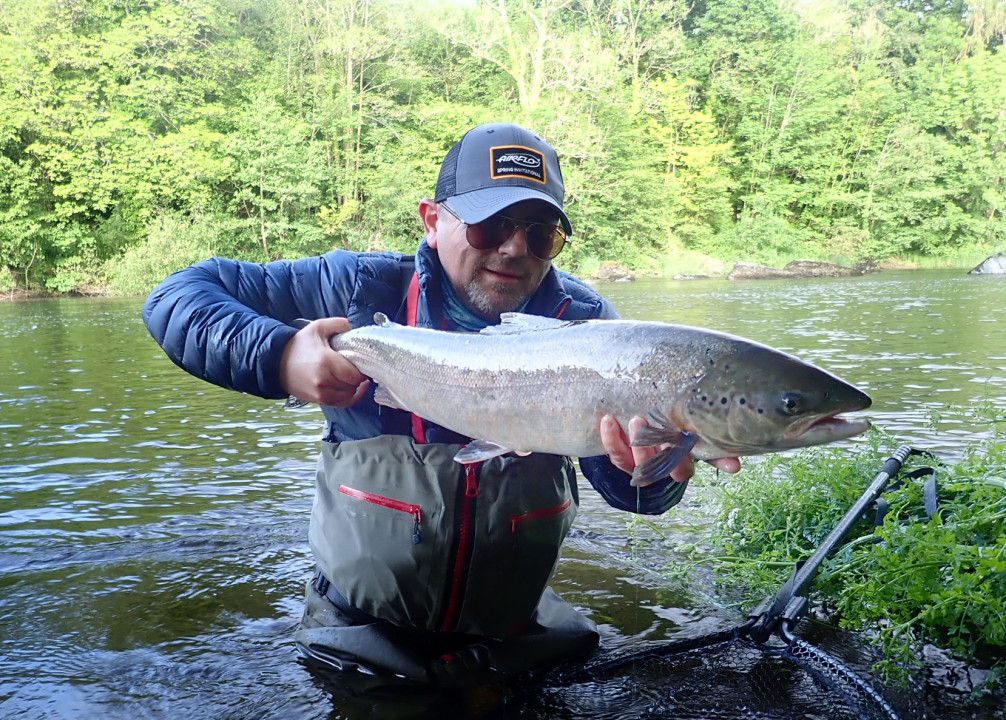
[{"x": 488, "y": 306}]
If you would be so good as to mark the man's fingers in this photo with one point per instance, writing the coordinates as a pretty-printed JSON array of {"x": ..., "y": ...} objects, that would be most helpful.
[
  {"x": 328, "y": 327},
  {"x": 636, "y": 423},
  {"x": 727, "y": 464},
  {"x": 626, "y": 457},
  {"x": 616, "y": 444},
  {"x": 342, "y": 395},
  {"x": 683, "y": 470},
  {"x": 312, "y": 371},
  {"x": 343, "y": 372}
]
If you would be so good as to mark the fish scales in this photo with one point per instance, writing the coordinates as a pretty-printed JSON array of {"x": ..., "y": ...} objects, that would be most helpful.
[
  {"x": 464, "y": 381},
  {"x": 542, "y": 385}
]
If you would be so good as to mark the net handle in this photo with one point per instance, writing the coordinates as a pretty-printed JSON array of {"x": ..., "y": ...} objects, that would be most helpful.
[{"x": 789, "y": 602}]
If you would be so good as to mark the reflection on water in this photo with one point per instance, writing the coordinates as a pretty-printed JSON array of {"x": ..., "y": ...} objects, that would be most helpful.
[
  {"x": 153, "y": 528},
  {"x": 915, "y": 341}
]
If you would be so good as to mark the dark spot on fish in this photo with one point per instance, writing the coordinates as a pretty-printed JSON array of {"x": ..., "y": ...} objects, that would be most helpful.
[
  {"x": 761, "y": 411},
  {"x": 723, "y": 401},
  {"x": 712, "y": 362},
  {"x": 743, "y": 401},
  {"x": 727, "y": 366}
]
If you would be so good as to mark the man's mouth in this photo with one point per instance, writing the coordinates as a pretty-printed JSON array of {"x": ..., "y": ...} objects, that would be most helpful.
[{"x": 503, "y": 274}]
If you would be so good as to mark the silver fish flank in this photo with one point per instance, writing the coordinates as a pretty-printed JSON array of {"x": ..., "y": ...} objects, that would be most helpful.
[{"x": 534, "y": 384}]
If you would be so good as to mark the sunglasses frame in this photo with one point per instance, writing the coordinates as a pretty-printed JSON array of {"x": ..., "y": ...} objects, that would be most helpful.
[{"x": 517, "y": 224}]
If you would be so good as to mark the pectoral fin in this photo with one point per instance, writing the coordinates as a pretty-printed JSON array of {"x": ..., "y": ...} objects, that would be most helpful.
[
  {"x": 384, "y": 397},
  {"x": 479, "y": 451},
  {"x": 657, "y": 431},
  {"x": 660, "y": 465}
]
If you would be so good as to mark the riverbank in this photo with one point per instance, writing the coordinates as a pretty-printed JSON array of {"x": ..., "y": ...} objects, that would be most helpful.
[
  {"x": 690, "y": 265},
  {"x": 678, "y": 265}
]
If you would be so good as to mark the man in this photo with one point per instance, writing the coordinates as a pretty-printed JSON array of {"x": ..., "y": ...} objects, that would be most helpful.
[{"x": 427, "y": 571}]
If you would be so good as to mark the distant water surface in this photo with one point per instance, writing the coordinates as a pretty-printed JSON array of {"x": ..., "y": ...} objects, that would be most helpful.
[{"x": 153, "y": 527}]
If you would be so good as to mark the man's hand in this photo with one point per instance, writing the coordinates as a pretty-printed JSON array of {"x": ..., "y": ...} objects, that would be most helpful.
[
  {"x": 626, "y": 458},
  {"x": 313, "y": 372}
]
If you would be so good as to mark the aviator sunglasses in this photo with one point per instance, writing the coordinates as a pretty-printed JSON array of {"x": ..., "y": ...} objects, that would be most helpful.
[{"x": 544, "y": 241}]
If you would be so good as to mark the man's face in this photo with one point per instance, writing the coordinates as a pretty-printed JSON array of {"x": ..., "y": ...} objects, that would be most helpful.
[{"x": 489, "y": 282}]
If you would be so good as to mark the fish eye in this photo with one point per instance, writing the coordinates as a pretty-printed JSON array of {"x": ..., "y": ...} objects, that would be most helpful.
[{"x": 791, "y": 403}]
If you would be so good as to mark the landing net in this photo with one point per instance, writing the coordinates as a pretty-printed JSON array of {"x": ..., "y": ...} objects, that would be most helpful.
[{"x": 777, "y": 665}]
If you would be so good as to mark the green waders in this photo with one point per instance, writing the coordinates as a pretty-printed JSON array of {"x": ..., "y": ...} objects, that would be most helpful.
[{"x": 430, "y": 571}]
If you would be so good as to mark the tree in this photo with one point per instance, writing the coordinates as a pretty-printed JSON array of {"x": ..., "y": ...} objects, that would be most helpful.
[{"x": 277, "y": 179}]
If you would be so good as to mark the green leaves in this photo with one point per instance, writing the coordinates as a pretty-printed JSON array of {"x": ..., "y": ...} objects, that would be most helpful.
[
  {"x": 912, "y": 580},
  {"x": 743, "y": 130}
]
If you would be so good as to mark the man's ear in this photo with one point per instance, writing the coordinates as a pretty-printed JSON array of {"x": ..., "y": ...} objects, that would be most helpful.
[{"x": 429, "y": 212}]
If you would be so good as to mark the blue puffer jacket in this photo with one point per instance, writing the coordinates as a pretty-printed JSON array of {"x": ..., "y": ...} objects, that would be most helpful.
[{"x": 228, "y": 322}]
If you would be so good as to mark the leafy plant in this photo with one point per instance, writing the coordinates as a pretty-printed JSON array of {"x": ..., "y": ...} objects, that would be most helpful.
[
  {"x": 913, "y": 579},
  {"x": 174, "y": 241},
  {"x": 744, "y": 130}
]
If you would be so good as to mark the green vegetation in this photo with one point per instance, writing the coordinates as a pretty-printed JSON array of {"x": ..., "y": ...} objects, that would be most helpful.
[
  {"x": 136, "y": 135},
  {"x": 913, "y": 580}
]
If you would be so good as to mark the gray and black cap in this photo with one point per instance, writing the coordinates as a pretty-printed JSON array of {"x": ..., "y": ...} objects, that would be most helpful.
[{"x": 494, "y": 166}]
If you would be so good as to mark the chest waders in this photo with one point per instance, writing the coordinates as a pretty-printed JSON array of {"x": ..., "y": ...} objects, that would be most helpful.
[{"x": 433, "y": 571}]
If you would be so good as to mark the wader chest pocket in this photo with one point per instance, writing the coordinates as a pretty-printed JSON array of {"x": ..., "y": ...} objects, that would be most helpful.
[
  {"x": 518, "y": 520},
  {"x": 414, "y": 510}
]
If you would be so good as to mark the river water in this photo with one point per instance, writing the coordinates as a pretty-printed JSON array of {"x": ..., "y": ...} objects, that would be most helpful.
[{"x": 153, "y": 528}]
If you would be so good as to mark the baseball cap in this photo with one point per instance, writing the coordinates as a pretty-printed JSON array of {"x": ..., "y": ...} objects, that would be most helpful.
[{"x": 496, "y": 165}]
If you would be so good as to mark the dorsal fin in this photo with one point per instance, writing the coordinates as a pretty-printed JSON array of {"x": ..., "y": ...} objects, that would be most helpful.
[
  {"x": 381, "y": 320},
  {"x": 514, "y": 322}
]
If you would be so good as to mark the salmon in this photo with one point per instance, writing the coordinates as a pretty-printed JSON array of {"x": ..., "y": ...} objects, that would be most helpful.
[{"x": 534, "y": 384}]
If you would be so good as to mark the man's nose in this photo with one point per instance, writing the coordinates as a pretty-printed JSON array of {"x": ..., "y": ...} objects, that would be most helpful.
[{"x": 516, "y": 244}]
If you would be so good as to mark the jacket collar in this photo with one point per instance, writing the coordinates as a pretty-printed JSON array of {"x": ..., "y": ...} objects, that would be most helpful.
[{"x": 550, "y": 300}]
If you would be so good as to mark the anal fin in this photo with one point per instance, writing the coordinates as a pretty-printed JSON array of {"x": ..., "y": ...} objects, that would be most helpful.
[{"x": 479, "y": 451}]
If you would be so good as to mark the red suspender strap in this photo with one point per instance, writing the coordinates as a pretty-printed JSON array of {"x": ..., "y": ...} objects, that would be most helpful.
[
  {"x": 412, "y": 300},
  {"x": 411, "y": 310}
]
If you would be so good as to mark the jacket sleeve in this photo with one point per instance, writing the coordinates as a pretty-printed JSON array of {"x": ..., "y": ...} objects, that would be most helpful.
[
  {"x": 228, "y": 322},
  {"x": 614, "y": 486}
]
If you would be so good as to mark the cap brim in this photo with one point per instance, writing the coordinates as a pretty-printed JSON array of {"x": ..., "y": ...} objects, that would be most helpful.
[{"x": 475, "y": 206}]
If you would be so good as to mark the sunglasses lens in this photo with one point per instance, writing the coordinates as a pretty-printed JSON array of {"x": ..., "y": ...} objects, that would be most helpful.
[
  {"x": 491, "y": 233},
  {"x": 545, "y": 241}
]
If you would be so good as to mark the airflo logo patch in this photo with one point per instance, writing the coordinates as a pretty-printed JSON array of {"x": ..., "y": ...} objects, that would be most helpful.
[{"x": 516, "y": 161}]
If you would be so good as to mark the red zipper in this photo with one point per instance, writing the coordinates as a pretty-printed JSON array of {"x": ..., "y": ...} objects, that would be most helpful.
[
  {"x": 414, "y": 510},
  {"x": 466, "y": 538},
  {"x": 538, "y": 514}
]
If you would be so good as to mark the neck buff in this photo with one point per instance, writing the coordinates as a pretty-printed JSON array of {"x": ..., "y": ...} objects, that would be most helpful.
[{"x": 458, "y": 316}]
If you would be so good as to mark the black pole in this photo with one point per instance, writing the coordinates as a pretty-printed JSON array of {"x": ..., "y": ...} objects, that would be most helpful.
[{"x": 766, "y": 623}]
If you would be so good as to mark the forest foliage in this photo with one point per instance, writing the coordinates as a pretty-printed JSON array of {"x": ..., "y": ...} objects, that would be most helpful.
[
  {"x": 137, "y": 136},
  {"x": 917, "y": 574}
]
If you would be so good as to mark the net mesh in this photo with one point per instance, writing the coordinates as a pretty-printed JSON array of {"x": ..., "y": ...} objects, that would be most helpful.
[
  {"x": 447, "y": 180},
  {"x": 726, "y": 675}
]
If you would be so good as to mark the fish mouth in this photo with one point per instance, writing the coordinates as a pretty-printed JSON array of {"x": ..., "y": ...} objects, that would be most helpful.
[{"x": 830, "y": 429}]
